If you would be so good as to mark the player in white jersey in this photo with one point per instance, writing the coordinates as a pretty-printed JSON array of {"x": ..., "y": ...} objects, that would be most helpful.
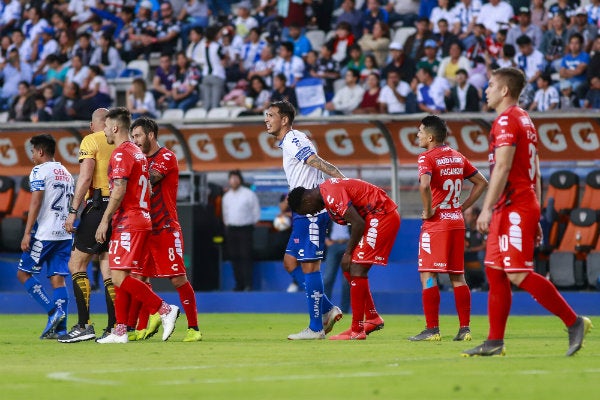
[
  {"x": 303, "y": 167},
  {"x": 45, "y": 241}
]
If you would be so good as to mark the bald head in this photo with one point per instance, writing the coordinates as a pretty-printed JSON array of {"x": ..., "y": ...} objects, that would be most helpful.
[{"x": 98, "y": 118}]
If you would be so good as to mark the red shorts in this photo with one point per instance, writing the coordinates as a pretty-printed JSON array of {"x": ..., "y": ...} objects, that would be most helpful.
[
  {"x": 378, "y": 239},
  {"x": 126, "y": 249},
  {"x": 165, "y": 256},
  {"x": 442, "y": 251},
  {"x": 511, "y": 238}
]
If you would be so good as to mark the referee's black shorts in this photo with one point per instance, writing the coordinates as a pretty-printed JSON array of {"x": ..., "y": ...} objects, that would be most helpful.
[{"x": 85, "y": 236}]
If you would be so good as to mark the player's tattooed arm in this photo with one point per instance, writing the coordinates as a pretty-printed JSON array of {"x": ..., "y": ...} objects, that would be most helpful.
[
  {"x": 317, "y": 162},
  {"x": 155, "y": 176}
]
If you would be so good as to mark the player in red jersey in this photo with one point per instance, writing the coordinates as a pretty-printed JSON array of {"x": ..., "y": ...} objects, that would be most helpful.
[
  {"x": 165, "y": 258},
  {"x": 375, "y": 222},
  {"x": 510, "y": 216},
  {"x": 128, "y": 212},
  {"x": 442, "y": 171}
]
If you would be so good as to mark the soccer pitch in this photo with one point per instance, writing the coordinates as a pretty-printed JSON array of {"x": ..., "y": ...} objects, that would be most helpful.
[{"x": 247, "y": 356}]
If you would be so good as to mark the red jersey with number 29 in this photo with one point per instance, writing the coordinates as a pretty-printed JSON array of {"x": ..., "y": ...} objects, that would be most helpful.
[
  {"x": 448, "y": 169},
  {"x": 163, "y": 202},
  {"x": 128, "y": 162},
  {"x": 514, "y": 128}
]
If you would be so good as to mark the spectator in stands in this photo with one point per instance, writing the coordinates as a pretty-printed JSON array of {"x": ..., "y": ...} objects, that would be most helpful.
[
  {"x": 348, "y": 97},
  {"x": 546, "y": 97},
  {"x": 371, "y": 67},
  {"x": 583, "y": 26},
  {"x": 122, "y": 31},
  {"x": 594, "y": 65},
  {"x": 356, "y": 60},
  {"x": 507, "y": 57},
  {"x": 265, "y": 66},
  {"x": 167, "y": 31},
  {"x": 194, "y": 13},
  {"x": 70, "y": 106},
  {"x": 402, "y": 11},
  {"x": 429, "y": 59},
  {"x": 107, "y": 58},
  {"x": 5, "y": 44},
  {"x": 84, "y": 49},
  {"x": 539, "y": 15},
  {"x": 289, "y": 64},
  {"x": 441, "y": 11},
  {"x": 194, "y": 48},
  {"x": 42, "y": 112},
  {"x": 377, "y": 43},
  {"x": 22, "y": 44},
  {"x": 529, "y": 59},
  {"x": 592, "y": 98},
  {"x": 252, "y": 48},
  {"x": 293, "y": 12},
  {"x": 328, "y": 70},
  {"x": 370, "y": 101},
  {"x": 373, "y": 13},
  {"x": 164, "y": 77},
  {"x": 56, "y": 74},
  {"x": 140, "y": 101},
  {"x": 213, "y": 71},
  {"x": 66, "y": 47},
  {"x": 231, "y": 44},
  {"x": 462, "y": 97},
  {"x": 352, "y": 16},
  {"x": 426, "y": 7},
  {"x": 10, "y": 16},
  {"x": 22, "y": 105},
  {"x": 244, "y": 21},
  {"x": 12, "y": 72},
  {"x": 563, "y": 7},
  {"x": 340, "y": 43},
  {"x": 451, "y": 64},
  {"x": 444, "y": 38},
  {"x": 415, "y": 44},
  {"x": 311, "y": 66},
  {"x": 593, "y": 12},
  {"x": 466, "y": 13},
  {"x": 431, "y": 90},
  {"x": 96, "y": 89},
  {"x": 554, "y": 42},
  {"x": 95, "y": 29},
  {"x": 301, "y": 43},
  {"x": 257, "y": 97},
  {"x": 525, "y": 27},
  {"x": 283, "y": 92},
  {"x": 495, "y": 15},
  {"x": 400, "y": 62},
  {"x": 184, "y": 92},
  {"x": 44, "y": 46},
  {"x": 568, "y": 99},
  {"x": 393, "y": 96},
  {"x": 34, "y": 22},
  {"x": 142, "y": 31},
  {"x": 574, "y": 65},
  {"x": 77, "y": 72}
]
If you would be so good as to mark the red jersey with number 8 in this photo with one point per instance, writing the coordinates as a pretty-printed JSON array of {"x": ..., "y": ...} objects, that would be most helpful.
[
  {"x": 514, "y": 128},
  {"x": 128, "y": 162}
]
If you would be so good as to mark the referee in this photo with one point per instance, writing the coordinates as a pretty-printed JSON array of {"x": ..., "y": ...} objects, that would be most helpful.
[{"x": 92, "y": 186}]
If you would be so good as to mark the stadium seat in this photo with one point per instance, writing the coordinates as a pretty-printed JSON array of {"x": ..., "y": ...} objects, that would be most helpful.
[
  {"x": 593, "y": 267},
  {"x": 140, "y": 65},
  {"x": 7, "y": 192},
  {"x": 567, "y": 263},
  {"x": 218, "y": 112},
  {"x": 172, "y": 114},
  {"x": 591, "y": 193},
  {"x": 195, "y": 113},
  {"x": 403, "y": 33},
  {"x": 13, "y": 225},
  {"x": 316, "y": 38},
  {"x": 562, "y": 197},
  {"x": 235, "y": 111},
  {"x": 4, "y": 116},
  {"x": 21, "y": 207}
]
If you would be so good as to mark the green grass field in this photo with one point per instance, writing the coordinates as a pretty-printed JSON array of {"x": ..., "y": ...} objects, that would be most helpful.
[{"x": 247, "y": 356}]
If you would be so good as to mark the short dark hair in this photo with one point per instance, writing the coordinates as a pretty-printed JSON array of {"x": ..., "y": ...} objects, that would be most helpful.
[
  {"x": 121, "y": 115},
  {"x": 289, "y": 46},
  {"x": 237, "y": 173},
  {"x": 577, "y": 35},
  {"x": 354, "y": 72},
  {"x": 147, "y": 124},
  {"x": 436, "y": 126},
  {"x": 286, "y": 109},
  {"x": 462, "y": 71},
  {"x": 524, "y": 40},
  {"x": 295, "y": 198},
  {"x": 509, "y": 50},
  {"x": 44, "y": 142}
]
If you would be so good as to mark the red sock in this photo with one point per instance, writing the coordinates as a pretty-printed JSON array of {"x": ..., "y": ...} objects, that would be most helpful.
[
  {"x": 122, "y": 303},
  {"x": 359, "y": 289},
  {"x": 143, "y": 293},
  {"x": 143, "y": 315},
  {"x": 370, "y": 310},
  {"x": 462, "y": 300},
  {"x": 188, "y": 300},
  {"x": 544, "y": 292},
  {"x": 134, "y": 311},
  {"x": 499, "y": 302},
  {"x": 431, "y": 306}
]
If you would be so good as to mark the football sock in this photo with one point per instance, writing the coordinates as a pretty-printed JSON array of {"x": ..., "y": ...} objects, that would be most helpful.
[
  {"x": 370, "y": 310},
  {"x": 132, "y": 314},
  {"x": 431, "y": 306},
  {"x": 359, "y": 290},
  {"x": 298, "y": 277},
  {"x": 142, "y": 292},
  {"x": 81, "y": 290},
  {"x": 462, "y": 300},
  {"x": 188, "y": 301},
  {"x": 61, "y": 299},
  {"x": 314, "y": 294},
  {"x": 109, "y": 295},
  {"x": 37, "y": 292},
  {"x": 499, "y": 302},
  {"x": 143, "y": 315},
  {"x": 545, "y": 293},
  {"x": 122, "y": 303}
]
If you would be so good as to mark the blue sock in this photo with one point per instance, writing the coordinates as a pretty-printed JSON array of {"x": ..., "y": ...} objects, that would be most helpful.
[
  {"x": 314, "y": 296},
  {"x": 298, "y": 277},
  {"x": 326, "y": 304},
  {"x": 61, "y": 299},
  {"x": 35, "y": 290}
]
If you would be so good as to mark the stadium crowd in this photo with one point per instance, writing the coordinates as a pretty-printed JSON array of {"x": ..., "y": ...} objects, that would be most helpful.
[{"x": 59, "y": 59}]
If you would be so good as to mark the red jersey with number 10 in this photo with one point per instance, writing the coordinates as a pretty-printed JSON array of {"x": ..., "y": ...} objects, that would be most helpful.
[
  {"x": 128, "y": 162},
  {"x": 448, "y": 169},
  {"x": 514, "y": 128},
  {"x": 163, "y": 202}
]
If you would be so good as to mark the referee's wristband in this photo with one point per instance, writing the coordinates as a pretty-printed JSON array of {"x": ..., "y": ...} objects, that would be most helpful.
[{"x": 72, "y": 210}]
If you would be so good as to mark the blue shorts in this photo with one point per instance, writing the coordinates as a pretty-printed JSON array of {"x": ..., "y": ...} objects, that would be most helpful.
[
  {"x": 307, "y": 240},
  {"x": 54, "y": 254}
]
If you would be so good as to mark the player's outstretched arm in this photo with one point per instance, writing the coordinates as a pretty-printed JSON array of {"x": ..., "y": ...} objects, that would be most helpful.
[
  {"x": 317, "y": 162},
  {"x": 479, "y": 184}
]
